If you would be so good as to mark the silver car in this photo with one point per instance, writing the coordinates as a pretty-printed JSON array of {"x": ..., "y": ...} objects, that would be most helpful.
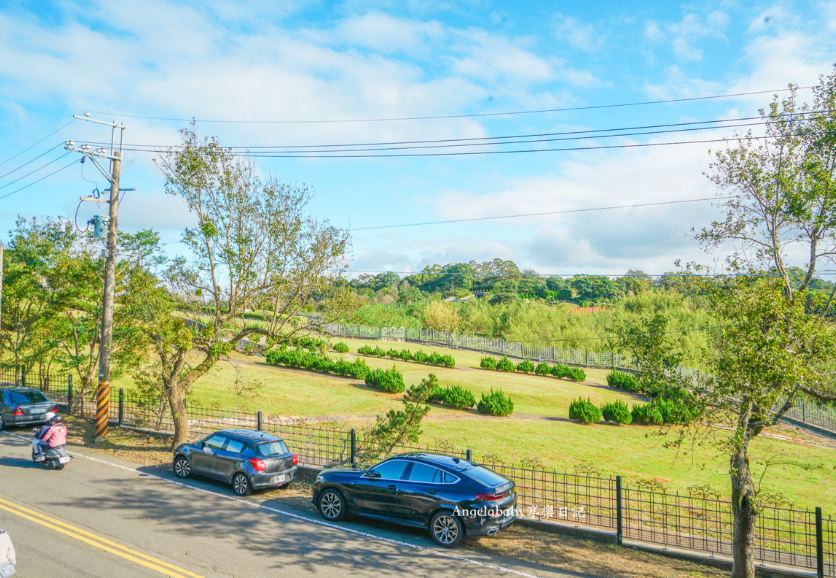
[{"x": 22, "y": 406}]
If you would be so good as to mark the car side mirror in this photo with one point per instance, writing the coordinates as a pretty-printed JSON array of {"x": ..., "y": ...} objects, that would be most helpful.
[{"x": 373, "y": 474}]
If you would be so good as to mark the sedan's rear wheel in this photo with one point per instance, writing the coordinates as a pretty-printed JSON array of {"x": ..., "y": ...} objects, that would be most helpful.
[
  {"x": 241, "y": 484},
  {"x": 2, "y": 423},
  {"x": 446, "y": 529},
  {"x": 332, "y": 505},
  {"x": 182, "y": 467}
]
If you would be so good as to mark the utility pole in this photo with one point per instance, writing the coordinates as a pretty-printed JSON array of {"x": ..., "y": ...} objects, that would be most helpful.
[
  {"x": 115, "y": 157},
  {"x": 2, "y": 248}
]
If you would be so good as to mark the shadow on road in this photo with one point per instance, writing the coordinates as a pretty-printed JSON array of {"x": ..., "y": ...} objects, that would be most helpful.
[{"x": 17, "y": 462}]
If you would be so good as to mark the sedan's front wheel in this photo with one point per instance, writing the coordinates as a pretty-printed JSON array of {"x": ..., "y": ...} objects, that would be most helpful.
[
  {"x": 446, "y": 529},
  {"x": 182, "y": 467},
  {"x": 332, "y": 505},
  {"x": 241, "y": 485}
]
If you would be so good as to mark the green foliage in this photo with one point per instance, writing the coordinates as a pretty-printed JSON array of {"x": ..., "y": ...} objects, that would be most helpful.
[
  {"x": 421, "y": 357},
  {"x": 488, "y": 362},
  {"x": 584, "y": 411},
  {"x": 397, "y": 427},
  {"x": 429, "y": 387},
  {"x": 646, "y": 414},
  {"x": 322, "y": 364},
  {"x": 459, "y": 397},
  {"x": 495, "y": 403},
  {"x": 616, "y": 412},
  {"x": 393, "y": 353},
  {"x": 341, "y": 347},
  {"x": 505, "y": 364},
  {"x": 576, "y": 374},
  {"x": 543, "y": 369},
  {"x": 525, "y": 366},
  {"x": 622, "y": 381},
  {"x": 389, "y": 380}
]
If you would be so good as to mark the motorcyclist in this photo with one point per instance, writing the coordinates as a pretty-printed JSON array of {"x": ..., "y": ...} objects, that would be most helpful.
[{"x": 51, "y": 435}]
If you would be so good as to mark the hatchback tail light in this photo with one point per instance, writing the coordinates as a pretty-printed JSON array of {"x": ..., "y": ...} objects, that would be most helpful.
[
  {"x": 295, "y": 459},
  {"x": 258, "y": 465},
  {"x": 490, "y": 497},
  {"x": 17, "y": 411}
]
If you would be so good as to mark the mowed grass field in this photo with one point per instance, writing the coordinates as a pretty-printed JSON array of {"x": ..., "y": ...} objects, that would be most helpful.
[{"x": 802, "y": 467}]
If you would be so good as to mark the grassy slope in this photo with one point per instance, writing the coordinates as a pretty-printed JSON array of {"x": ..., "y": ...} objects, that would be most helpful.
[{"x": 539, "y": 427}]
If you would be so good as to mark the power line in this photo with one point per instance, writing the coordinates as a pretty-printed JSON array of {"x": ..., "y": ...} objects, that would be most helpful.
[
  {"x": 37, "y": 143},
  {"x": 539, "y": 214},
  {"x": 452, "y": 116},
  {"x": 33, "y": 172},
  {"x": 39, "y": 180},
  {"x": 31, "y": 161},
  {"x": 671, "y": 274}
]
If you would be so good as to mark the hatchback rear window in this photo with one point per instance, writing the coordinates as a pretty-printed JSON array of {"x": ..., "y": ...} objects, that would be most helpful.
[
  {"x": 486, "y": 476},
  {"x": 268, "y": 449},
  {"x": 24, "y": 397}
]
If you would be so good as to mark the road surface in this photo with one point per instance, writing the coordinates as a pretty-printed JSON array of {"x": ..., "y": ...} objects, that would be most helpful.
[{"x": 103, "y": 517}]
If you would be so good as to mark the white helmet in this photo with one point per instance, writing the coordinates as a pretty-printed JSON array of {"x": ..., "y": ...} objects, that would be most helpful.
[{"x": 49, "y": 415}]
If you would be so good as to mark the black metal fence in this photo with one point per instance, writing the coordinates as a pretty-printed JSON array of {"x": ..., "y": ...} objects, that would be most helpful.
[{"x": 698, "y": 520}]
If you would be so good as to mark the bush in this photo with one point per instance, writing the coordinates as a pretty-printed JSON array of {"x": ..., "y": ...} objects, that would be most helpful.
[
  {"x": 623, "y": 381},
  {"x": 543, "y": 369},
  {"x": 448, "y": 361},
  {"x": 393, "y": 353},
  {"x": 505, "y": 364},
  {"x": 673, "y": 411},
  {"x": 497, "y": 403},
  {"x": 341, "y": 347},
  {"x": 584, "y": 411},
  {"x": 488, "y": 363},
  {"x": 365, "y": 350},
  {"x": 389, "y": 380},
  {"x": 320, "y": 363},
  {"x": 559, "y": 370},
  {"x": 646, "y": 414},
  {"x": 421, "y": 357},
  {"x": 435, "y": 393},
  {"x": 378, "y": 352},
  {"x": 525, "y": 366},
  {"x": 459, "y": 397},
  {"x": 575, "y": 374},
  {"x": 616, "y": 411},
  {"x": 406, "y": 355}
]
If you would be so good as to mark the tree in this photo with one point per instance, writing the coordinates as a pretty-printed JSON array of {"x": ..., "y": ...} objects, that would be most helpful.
[
  {"x": 251, "y": 243},
  {"x": 596, "y": 288}
]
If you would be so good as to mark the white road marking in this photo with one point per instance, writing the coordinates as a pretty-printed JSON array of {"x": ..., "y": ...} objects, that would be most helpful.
[{"x": 307, "y": 519}]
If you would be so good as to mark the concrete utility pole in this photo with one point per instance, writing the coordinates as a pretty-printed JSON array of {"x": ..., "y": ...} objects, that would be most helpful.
[{"x": 115, "y": 157}]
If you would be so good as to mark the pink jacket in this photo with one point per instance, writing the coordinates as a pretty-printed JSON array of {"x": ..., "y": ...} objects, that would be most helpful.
[{"x": 56, "y": 436}]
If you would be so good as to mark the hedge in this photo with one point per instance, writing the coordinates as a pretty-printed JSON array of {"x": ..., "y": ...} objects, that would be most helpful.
[
  {"x": 306, "y": 360},
  {"x": 389, "y": 380},
  {"x": 488, "y": 363},
  {"x": 623, "y": 381},
  {"x": 405, "y": 355},
  {"x": 584, "y": 411},
  {"x": 662, "y": 410},
  {"x": 557, "y": 370},
  {"x": 616, "y": 411},
  {"x": 341, "y": 347},
  {"x": 495, "y": 403}
]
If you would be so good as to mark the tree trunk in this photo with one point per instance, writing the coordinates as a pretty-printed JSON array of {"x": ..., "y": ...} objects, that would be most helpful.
[
  {"x": 177, "y": 403},
  {"x": 745, "y": 516}
]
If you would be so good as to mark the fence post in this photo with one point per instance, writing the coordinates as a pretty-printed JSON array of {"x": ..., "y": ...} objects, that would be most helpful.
[
  {"x": 121, "y": 405},
  {"x": 23, "y": 377},
  {"x": 586, "y": 362},
  {"x": 619, "y": 535},
  {"x": 70, "y": 394},
  {"x": 469, "y": 455},
  {"x": 259, "y": 420},
  {"x": 804, "y": 412},
  {"x": 353, "y": 447},
  {"x": 819, "y": 545}
]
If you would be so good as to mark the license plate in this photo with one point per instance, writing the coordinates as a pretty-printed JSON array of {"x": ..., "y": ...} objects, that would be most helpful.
[
  {"x": 36, "y": 410},
  {"x": 279, "y": 479},
  {"x": 64, "y": 460}
]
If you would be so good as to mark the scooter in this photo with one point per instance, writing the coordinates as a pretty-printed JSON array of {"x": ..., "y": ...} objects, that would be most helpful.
[{"x": 54, "y": 458}]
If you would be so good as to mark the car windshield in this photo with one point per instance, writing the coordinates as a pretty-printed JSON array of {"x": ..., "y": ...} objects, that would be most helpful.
[
  {"x": 268, "y": 449},
  {"x": 24, "y": 397},
  {"x": 486, "y": 476}
]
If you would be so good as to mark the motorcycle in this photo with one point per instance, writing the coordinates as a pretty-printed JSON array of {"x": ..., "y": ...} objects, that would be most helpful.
[{"x": 54, "y": 458}]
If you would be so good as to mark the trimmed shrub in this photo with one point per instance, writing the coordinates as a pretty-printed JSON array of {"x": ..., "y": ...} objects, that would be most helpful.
[
  {"x": 646, "y": 414},
  {"x": 421, "y": 357},
  {"x": 365, "y": 350},
  {"x": 389, "y": 380},
  {"x": 393, "y": 353},
  {"x": 559, "y": 370},
  {"x": 378, "y": 352},
  {"x": 458, "y": 397},
  {"x": 617, "y": 412},
  {"x": 543, "y": 369},
  {"x": 575, "y": 374},
  {"x": 448, "y": 361},
  {"x": 495, "y": 403},
  {"x": 584, "y": 411},
  {"x": 488, "y": 363},
  {"x": 406, "y": 355},
  {"x": 673, "y": 411},
  {"x": 623, "y": 381},
  {"x": 341, "y": 347},
  {"x": 525, "y": 366},
  {"x": 322, "y": 364},
  {"x": 505, "y": 364}
]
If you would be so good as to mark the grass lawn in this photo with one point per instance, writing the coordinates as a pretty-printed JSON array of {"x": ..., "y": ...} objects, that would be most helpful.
[{"x": 539, "y": 427}]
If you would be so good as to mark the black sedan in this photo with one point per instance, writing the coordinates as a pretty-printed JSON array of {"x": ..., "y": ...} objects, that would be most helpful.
[
  {"x": 449, "y": 496},
  {"x": 23, "y": 405},
  {"x": 247, "y": 459}
]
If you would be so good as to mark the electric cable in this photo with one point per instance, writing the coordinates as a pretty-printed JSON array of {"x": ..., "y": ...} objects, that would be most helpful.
[
  {"x": 37, "y": 143},
  {"x": 452, "y": 116},
  {"x": 39, "y": 180},
  {"x": 35, "y": 171},
  {"x": 31, "y": 161}
]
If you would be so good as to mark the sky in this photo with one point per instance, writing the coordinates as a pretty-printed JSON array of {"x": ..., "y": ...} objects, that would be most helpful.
[{"x": 360, "y": 61}]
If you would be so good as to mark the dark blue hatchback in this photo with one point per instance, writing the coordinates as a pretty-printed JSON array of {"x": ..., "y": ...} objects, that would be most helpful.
[
  {"x": 247, "y": 459},
  {"x": 449, "y": 496}
]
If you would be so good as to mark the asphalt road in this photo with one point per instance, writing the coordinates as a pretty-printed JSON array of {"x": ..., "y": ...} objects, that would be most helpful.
[{"x": 103, "y": 517}]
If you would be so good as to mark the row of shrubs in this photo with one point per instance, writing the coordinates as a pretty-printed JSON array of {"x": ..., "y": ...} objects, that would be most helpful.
[
  {"x": 309, "y": 343},
  {"x": 291, "y": 358},
  {"x": 525, "y": 366},
  {"x": 406, "y": 355},
  {"x": 389, "y": 380},
  {"x": 658, "y": 412}
]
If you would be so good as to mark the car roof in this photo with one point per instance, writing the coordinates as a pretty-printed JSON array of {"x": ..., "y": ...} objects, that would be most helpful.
[
  {"x": 250, "y": 435},
  {"x": 457, "y": 464},
  {"x": 24, "y": 389}
]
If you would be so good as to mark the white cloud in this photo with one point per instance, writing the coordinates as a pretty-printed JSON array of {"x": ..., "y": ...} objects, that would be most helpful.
[
  {"x": 684, "y": 51},
  {"x": 578, "y": 34}
]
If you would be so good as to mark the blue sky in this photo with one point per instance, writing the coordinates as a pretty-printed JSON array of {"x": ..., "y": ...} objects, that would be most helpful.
[{"x": 363, "y": 60}]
